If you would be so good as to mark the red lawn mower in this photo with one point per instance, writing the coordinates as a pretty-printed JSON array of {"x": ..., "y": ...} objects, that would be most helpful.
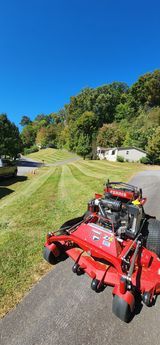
[{"x": 116, "y": 244}]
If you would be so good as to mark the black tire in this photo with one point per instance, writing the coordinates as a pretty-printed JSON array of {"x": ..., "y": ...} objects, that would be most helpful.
[
  {"x": 121, "y": 309},
  {"x": 67, "y": 225},
  {"x": 15, "y": 173},
  {"x": 153, "y": 236},
  {"x": 94, "y": 285},
  {"x": 49, "y": 256}
]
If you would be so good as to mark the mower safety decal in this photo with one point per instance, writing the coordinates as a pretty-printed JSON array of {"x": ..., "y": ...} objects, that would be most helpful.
[
  {"x": 108, "y": 238},
  {"x": 106, "y": 243}
]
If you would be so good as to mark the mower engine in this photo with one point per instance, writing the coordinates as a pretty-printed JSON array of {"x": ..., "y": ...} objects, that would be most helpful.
[{"x": 124, "y": 219}]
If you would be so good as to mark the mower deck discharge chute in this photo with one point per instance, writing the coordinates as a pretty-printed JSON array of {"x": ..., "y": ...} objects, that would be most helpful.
[{"x": 116, "y": 244}]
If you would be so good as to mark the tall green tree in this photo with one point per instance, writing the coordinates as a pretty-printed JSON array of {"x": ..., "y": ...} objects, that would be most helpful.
[
  {"x": 83, "y": 147},
  {"x": 153, "y": 147},
  {"x": 146, "y": 89},
  {"x": 25, "y": 120},
  {"x": 10, "y": 141},
  {"x": 28, "y": 135},
  {"x": 110, "y": 135}
]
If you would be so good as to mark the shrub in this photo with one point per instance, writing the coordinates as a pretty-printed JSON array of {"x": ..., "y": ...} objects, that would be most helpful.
[
  {"x": 31, "y": 150},
  {"x": 120, "y": 159},
  {"x": 145, "y": 160}
]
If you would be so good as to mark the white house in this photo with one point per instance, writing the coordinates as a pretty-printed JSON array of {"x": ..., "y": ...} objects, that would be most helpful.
[{"x": 131, "y": 154}]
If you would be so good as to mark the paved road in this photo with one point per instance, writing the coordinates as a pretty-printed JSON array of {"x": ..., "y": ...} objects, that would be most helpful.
[
  {"x": 27, "y": 165},
  {"x": 62, "y": 309}
]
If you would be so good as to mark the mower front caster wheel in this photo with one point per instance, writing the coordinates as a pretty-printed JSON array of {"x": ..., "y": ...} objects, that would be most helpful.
[
  {"x": 94, "y": 285},
  {"x": 146, "y": 298},
  {"x": 77, "y": 269}
]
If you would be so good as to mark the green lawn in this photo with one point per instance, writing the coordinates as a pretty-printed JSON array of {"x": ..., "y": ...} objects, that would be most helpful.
[
  {"x": 31, "y": 207},
  {"x": 51, "y": 155}
]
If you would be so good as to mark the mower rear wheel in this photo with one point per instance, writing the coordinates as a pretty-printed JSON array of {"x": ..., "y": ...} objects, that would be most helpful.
[
  {"x": 121, "y": 309},
  {"x": 153, "y": 238},
  {"x": 49, "y": 256},
  {"x": 67, "y": 225}
]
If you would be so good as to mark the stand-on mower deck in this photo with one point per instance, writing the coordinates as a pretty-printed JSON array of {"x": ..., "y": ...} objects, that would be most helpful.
[{"x": 116, "y": 244}]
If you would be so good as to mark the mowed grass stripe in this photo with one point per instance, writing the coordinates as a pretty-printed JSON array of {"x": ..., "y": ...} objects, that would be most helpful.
[
  {"x": 90, "y": 185},
  {"x": 89, "y": 171},
  {"x": 21, "y": 258},
  {"x": 97, "y": 167},
  {"x": 108, "y": 165},
  {"x": 120, "y": 174},
  {"x": 28, "y": 188},
  {"x": 70, "y": 191},
  {"x": 51, "y": 155}
]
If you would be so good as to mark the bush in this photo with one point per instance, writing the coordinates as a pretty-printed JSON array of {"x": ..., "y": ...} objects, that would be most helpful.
[
  {"x": 145, "y": 160},
  {"x": 31, "y": 150},
  {"x": 120, "y": 159}
]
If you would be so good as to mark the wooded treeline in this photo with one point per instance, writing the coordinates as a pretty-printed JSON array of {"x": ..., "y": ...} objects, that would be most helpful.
[{"x": 110, "y": 115}]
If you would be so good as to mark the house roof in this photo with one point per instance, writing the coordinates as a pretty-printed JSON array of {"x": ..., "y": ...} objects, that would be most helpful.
[{"x": 121, "y": 148}]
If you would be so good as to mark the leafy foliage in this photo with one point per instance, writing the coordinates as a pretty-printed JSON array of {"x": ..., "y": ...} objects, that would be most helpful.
[
  {"x": 110, "y": 115},
  {"x": 10, "y": 141},
  {"x": 32, "y": 149},
  {"x": 25, "y": 121},
  {"x": 110, "y": 135},
  {"x": 153, "y": 147},
  {"x": 120, "y": 159}
]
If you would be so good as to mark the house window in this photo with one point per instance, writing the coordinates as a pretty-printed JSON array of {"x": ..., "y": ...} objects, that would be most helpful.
[
  {"x": 113, "y": 152},
  {"x": 127, "y": 152}
]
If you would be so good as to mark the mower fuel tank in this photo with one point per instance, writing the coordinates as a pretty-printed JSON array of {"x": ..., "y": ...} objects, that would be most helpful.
[
  {"x": 113, "y": 205},
  {"x": 97, "y": 236}
]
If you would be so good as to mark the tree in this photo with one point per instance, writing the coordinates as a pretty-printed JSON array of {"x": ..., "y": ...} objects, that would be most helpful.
[
  {"x": 153, "y": 147},
  {"x": 25, "y": 121},
  {"x": 124, "y": 111},
  {"x": 28, "y": 135},
  {"x": 10, "y": 141},
  {"x": 83, "y": 147},
  {"x": 46, "y": 136},
  {"x": 64, "y": 138},
  {"x": 41, "y": 138},
  {"x": 146, "y": 89},
  {"x": 110, "y": 135},
  {"x": 86, "y": 124}
]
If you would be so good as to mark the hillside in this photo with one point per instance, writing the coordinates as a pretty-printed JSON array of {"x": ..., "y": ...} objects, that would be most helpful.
[{"x": 50, "y": 155}]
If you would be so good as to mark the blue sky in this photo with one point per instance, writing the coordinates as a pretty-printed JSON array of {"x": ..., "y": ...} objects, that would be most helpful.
[{"x": 51, "y": 49}]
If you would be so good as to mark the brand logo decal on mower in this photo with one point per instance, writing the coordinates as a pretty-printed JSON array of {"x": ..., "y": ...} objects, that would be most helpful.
[{"x": 95, "y": 238}]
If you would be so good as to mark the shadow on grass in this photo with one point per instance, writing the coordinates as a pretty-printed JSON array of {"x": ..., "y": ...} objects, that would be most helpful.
[
  {"x": 5, "y": 182},
  {"x": 4, "y": 192},
  {"x": 11, "y": 180}
]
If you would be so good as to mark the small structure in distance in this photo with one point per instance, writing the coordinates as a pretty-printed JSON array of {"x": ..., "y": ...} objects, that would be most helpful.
[{"x": 130, "y": 154}]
